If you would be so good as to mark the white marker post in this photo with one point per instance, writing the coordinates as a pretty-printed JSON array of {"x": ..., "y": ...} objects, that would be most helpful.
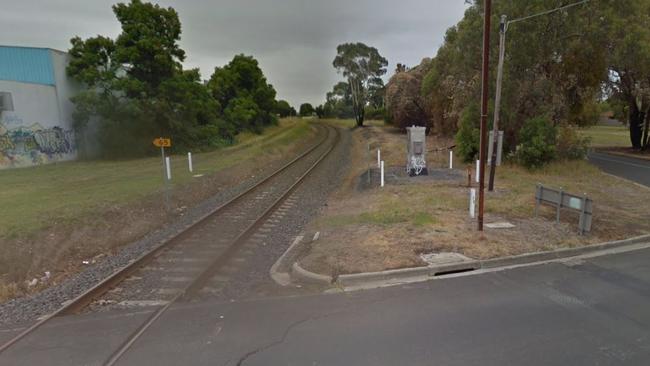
[
  {"x": 472, "y": 203},
  {"x": 189, "y": 161},
  {"x": 378, "y": 158},
  {"x": 478, "y": 170},
  {"x": 381, "y": 165},
  {"x": 168, "y": 166},
  {"x": 451, "y": 159}
]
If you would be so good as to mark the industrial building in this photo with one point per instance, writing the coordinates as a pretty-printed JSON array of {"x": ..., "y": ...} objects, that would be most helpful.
[{"x": 35, "y": 107}]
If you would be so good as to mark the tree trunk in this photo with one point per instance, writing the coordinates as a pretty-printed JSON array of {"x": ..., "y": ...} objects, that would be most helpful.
[
  {"x": 645, "y": 142},
  {"x": 636, "y": 126},
  {"x": 361, "y": 113}
]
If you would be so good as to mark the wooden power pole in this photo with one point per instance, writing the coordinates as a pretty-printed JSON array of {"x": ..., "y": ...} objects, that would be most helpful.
[{"x": 484, "y": 109}]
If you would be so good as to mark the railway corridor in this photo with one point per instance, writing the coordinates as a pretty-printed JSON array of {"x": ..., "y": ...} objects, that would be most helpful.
[{"x": 226, "y": 256}]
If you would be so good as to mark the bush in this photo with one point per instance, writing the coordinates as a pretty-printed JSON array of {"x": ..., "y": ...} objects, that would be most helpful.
[
  {"x": 570, "y": 145},
  {"x": 537, "y": 143},
  {"x": 468, "y": 136},
  {"x": 375, "y": 114}
]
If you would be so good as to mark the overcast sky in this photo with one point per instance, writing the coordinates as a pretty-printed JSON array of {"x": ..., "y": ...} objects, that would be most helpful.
[{"x": 294, "y": 40}]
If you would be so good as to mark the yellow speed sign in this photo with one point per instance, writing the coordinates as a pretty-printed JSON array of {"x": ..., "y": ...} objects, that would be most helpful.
[{"x": 162, "y": 142}]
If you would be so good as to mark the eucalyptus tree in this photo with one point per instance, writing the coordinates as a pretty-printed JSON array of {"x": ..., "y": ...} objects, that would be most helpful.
[
  {"x": 361, "y": 65},
  {"x": 627, "y": 41}
]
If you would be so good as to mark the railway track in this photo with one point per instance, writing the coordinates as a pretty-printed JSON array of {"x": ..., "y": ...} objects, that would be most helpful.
[{"x": 193, "y": 264}]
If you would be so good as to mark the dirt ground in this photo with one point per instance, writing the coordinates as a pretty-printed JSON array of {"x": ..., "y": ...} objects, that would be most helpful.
[
  {"x": 365, "y": 228},
  {"x": 62, "y": 248}
]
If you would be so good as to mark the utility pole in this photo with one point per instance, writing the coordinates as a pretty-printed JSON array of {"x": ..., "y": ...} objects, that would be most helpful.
[
  {"x": 497, "y": 102},
  {"x": 503, "y": 29},
  {"x": 484, "y": 108}
]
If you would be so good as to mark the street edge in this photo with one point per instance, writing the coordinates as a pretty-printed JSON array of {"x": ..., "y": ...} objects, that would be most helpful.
[{"x": 397, "y": 276}]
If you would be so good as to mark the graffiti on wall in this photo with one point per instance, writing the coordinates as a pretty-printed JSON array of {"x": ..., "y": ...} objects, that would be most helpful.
[{"x": 34, "y": 145}]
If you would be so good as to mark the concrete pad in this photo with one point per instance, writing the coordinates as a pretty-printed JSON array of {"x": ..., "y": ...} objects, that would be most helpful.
[
  {"x": 436, "y": 259},
  {"x": 500, "y": 225}
]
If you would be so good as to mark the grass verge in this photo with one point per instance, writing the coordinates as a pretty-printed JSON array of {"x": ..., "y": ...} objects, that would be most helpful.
[
  {"x": 365, "y": 230},
  {"x": 35, "y": 198},
  {"x": 607, "y": 136},
  {"x": 56, "y": 217}
]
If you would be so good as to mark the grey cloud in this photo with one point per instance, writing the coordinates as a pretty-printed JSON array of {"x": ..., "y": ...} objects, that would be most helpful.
[{"x": 294, "y": 40}]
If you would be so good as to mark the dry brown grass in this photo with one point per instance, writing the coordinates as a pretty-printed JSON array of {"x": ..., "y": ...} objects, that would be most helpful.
[{"x": 388, "y": 228}]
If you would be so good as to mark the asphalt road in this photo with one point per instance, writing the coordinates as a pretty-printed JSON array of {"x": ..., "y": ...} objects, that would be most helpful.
[
  {"x": 584, "y": 312},
  {"x": 637, "y": 170}
]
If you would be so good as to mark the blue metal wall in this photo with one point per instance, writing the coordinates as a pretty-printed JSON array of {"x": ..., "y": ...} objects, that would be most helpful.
[{"x": 27, "y": 65}]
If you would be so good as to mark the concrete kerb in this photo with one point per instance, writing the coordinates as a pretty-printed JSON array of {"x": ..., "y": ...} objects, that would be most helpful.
[
  {"x": 286, "y": 268},
  {"x": 300, "y": 274}
]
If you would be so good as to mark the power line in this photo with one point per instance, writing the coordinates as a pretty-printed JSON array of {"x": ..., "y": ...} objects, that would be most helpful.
[{"x": 548, "y": 11}]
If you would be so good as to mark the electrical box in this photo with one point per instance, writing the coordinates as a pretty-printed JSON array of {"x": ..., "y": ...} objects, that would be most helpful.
[{"x": 416, "y": 157}]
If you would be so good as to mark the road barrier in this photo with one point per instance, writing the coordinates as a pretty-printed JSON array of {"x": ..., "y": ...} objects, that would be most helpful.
[{"x": 560, "y": 199}]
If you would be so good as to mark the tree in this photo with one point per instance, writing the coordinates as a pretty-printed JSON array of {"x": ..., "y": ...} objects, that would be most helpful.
[
  {"x": 306, "y": 110},
  {"x": 360, "y": 65},
  {"x": 284, "y": 109},
  {"x": 148, "y": 47},
  {"x": 138, "y": 90},
  {"x": 92, "y": 62},
  {"x": 627, "y": 39},
  {"x": 241, "y": 88},
  {"x": 555, "y": 66},
  {"x": 405, "y": 103}
]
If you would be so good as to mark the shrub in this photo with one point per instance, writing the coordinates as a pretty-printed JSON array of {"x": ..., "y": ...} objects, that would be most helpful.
[
  {"x": 468, "y": 136},
  {"x": 537, "y": 140},
  {"x": 375, "y": 114},
  {"x": 570, "y": 145}
]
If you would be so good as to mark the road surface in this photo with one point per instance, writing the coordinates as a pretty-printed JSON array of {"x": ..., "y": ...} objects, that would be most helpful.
[
  {"x": 637, "y": 170},
  {"x": 584, "y": 312}
]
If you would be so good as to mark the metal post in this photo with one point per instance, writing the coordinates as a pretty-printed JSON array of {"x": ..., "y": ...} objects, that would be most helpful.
[
  {"x": 162, "y": 153},
  {"x": 168, "y": 165},
  {"x": 484, "y": 108},
  {"x": 503, "y": 27},
  {"x": 451, "y": 159},
  {"x": 165, "y": 179},
  {"x": 559, "y": 206},
  {"x": 583, "y": 215},
  {"x": 189, "y": 161},
  {"x": 382, "y": 173}
]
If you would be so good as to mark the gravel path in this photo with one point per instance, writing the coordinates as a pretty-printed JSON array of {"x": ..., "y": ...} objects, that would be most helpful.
[{"x": 30, "y": 308}]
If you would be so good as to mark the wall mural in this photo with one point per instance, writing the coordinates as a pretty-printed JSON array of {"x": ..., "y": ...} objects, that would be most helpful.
[{"x": 24, "y": 146}]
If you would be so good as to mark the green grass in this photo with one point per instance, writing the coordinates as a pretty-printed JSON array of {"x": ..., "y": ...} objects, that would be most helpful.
[
  {"x": 607, "y": 136},
  {"x": 38, "y": 197}
]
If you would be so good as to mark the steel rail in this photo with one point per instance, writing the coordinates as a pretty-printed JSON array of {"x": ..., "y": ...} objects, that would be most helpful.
[
  {"x": 87, "y": 297},
  {"x": 199, "y": 282}
]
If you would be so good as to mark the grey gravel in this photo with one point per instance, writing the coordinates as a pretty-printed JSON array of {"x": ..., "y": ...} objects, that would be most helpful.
[
  {"x": 251, "y": 280},
  {"x": 397, "y": 175}
]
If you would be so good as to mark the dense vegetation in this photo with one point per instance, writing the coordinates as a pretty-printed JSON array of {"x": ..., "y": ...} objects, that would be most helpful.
[
  {"x": 558, "y": 69},
  {"x": 137, "y": 89}
]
